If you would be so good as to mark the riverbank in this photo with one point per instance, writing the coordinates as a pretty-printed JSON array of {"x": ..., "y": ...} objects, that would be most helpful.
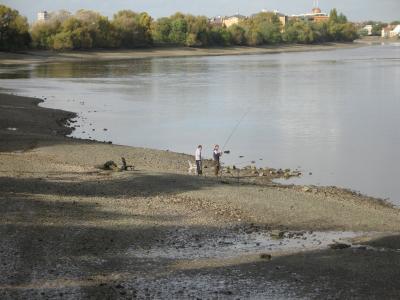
[
  {"x": 70, "y": 229},
  {"x": 30, "y": 57}
]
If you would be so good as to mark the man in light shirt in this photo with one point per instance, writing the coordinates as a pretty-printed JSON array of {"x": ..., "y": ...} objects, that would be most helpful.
[{"x": 198, "y": 160}]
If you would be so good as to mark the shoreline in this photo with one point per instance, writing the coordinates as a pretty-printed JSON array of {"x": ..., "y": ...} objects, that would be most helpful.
[
  {"x": 63, "y": 127},
  {"x": 70, "y": 228},
  {"x": 42, "y": 56}
]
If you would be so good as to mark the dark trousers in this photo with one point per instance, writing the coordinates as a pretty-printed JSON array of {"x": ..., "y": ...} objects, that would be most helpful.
[
  {"x": 217, "y": 168},
  {"x": 198, "y": 165}
]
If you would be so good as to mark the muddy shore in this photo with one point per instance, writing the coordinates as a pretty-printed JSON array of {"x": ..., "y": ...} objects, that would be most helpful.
[
  {"x": 71, "y": 230},
  {"x": 30, "y": 57}
]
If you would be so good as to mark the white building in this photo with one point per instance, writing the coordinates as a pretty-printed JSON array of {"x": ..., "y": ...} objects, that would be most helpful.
[
  {"x": 391, "y": 31},
  {"x": 43, "y": 16},
  {"x": 395, "y": 32},
  {"x": 368, "y": 28}
]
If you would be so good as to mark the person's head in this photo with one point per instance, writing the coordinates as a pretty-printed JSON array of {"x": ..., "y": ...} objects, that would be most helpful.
[
  {"x": 200, "y": 146},
  {"x": 216, "y": 147}
]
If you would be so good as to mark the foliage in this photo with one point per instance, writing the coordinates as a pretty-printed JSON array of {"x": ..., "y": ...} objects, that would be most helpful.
[
  {"x": 14, "y": 29},
  {"x": 128, "y": 29},
  {"x": 132, "y": 29}
]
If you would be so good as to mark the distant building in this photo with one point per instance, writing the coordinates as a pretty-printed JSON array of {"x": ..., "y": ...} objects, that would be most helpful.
[
  {"x": 43, "y": 16},
  {"x": 395, "y": 32},
  {"x": 316, "y": 15},
  {"x": 391, "y": 31},
  {"x": 368, "y": 29},
  {"x": 282, "y": 18},
  {"x": 217, "y": 21},
  {"x": 232, "y": 20}
]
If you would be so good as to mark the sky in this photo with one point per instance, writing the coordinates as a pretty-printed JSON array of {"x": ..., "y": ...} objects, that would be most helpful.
[{"x": 355, "y": 10}]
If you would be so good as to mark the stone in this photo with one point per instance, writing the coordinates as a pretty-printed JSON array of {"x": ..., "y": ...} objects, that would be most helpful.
[
  {"x": 266, "y": 256},
  {"x": 277, "y": 234},
  {"x": 306, "y": 189},
  {"x": 110, "y": 165}
]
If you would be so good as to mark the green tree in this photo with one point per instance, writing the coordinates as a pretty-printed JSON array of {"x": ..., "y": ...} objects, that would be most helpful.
[
  {"x": 377, "y": 28},
  {"x": 178, "y": 31},
  {"x": 220, "y": 36},
  {"x": 161, "y": 30},
  {"x": 132, "y": 29},
  {"x": 14, "y": 30},
  {"x": 299, "y": 31},
  {"x": 237, "y": 34},
  {"x": 43, "y": 33}
]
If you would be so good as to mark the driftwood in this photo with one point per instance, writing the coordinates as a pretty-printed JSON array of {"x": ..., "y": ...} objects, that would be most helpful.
[
  {"x": 125, "y": 166},
  {"x": 112, "y": 166}
]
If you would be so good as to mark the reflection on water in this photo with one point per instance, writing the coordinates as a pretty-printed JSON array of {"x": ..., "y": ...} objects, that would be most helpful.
[{"x": 334, "y": 113}]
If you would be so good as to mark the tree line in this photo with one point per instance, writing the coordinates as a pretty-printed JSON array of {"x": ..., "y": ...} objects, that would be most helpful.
[{"x": 127, "y": 29}]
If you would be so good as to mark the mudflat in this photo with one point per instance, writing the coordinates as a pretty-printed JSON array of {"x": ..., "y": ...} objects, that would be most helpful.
[
  {"x": 29, "y": 57},
  {"x": 71, "y": 229}
]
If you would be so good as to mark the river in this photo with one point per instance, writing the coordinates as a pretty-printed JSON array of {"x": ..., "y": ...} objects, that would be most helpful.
[{"x": 332, "y": 114}]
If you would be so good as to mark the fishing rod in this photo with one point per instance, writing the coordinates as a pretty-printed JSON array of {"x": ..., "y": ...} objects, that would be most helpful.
[{"x": 235, "y": 128}]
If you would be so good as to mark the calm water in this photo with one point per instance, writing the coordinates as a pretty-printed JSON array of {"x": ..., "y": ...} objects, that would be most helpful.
[{"x": 335, "y": 114}]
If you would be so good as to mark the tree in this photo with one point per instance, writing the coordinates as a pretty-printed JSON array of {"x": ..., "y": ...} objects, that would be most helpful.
[
  {"x": 43, "y": 33},
  {"x": 237, "y": 34},
  {"x": 132, "y": 29},
  {"x": 161, "y": 30},
  {"x": 377, "y": 28},
  {"x": 300, "y": 32},
  {"x": 178, "y": 31},
  {"x": 220, "y": 36},
  {"x": 14, "y": 30}
]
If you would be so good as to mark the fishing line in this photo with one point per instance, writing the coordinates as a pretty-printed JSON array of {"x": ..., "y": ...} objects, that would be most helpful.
[{"x": 235, "y": 128}]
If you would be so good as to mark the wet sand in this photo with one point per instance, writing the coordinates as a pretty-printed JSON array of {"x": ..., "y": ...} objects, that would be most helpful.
[
  {"x": 30, "y": 57},
  {"x": 71, "y": 230}
]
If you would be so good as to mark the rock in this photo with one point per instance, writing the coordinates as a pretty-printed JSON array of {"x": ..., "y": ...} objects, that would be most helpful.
[
  {"x": 266, "y": 256},
  {"x": 277, "y": 234},
  {"x": 119, "y": 286},
  {"x": 261, "y": 174},
  {"x": 110, "y": 165},
  {"x": 339, "y": 246},
  {"x": 227, "y": 151},
  {"x": 306, "y": 189}
]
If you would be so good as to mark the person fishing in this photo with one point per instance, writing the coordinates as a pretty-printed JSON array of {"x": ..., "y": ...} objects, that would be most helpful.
[
  {"x": 216, "y": 156},
  {"x": 199, "y": 160}
]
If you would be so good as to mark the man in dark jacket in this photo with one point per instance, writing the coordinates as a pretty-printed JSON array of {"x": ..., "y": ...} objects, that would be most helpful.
[{"x": 216, "y": 156}]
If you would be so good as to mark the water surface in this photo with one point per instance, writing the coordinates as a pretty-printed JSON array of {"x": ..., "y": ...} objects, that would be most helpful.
[{"x": 333, "y": 113}]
